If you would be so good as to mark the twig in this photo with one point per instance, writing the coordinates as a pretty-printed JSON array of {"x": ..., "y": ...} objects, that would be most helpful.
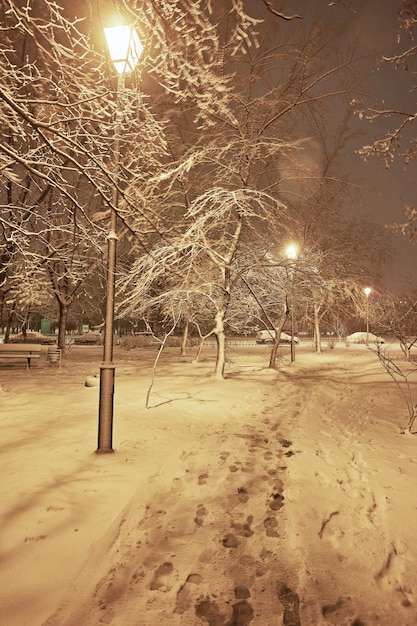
[
  {"x": 161, "y": 347},
  {"x": 326, "y": 521},
  {"x": 281, "y": 15},
  {"x": 401, "y": 380}
]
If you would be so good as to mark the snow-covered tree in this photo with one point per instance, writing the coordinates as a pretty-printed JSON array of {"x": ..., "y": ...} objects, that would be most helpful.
[
  {"x": 58, "y": 108},
  {"x": 220, "y": 103},
  {"x": 202, "y": 267}
]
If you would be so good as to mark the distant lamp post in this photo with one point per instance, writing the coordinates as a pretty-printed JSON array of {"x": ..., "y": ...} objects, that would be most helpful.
[
  {"x": 125, "y": 49},
  {"x": 291, "y": 253},
  {"x": 367, "y": 291}
]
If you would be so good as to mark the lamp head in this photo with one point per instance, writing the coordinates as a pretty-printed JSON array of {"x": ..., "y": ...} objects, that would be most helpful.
[
  {"x": 125, "y": 47},
  {"x": 367, "y": 291}
]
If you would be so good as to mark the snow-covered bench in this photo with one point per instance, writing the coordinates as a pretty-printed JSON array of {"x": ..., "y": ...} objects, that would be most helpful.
[{"x": 27, "y": 351}]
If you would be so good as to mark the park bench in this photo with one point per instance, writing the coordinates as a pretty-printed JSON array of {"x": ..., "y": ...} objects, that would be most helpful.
[{"x": 27, "y": 351}]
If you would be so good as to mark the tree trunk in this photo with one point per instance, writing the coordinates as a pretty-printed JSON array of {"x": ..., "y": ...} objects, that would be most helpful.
[
  {"x": 184, "y": 339},
  {"x": 9, "y": 324},
  {"x": 406, "y": 349},
  {"x": 317, "y": 336},
  {"x": 25, "y": 324},
  {"x": 274, "y": 351},
  {"x": 200, "y": 347},
  {"x": 221, "y": 346},
  {"x": 62, "y": 325}
]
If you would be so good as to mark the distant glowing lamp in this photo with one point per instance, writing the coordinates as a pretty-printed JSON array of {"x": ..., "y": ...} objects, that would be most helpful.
[{"x": 291, "y": 252}]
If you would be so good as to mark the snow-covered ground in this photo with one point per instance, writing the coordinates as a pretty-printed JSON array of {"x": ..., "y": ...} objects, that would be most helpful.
[{"x": 273, "y": 497}]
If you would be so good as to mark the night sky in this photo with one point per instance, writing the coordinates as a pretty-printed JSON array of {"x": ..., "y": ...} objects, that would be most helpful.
[
  {"x": 374, "y": 25},
  {"x": 384, "y": 192}
]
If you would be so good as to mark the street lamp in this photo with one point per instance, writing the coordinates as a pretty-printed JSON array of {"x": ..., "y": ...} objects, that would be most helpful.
[
  {"x": 367, "y": 291},
  {"x": 125, "y": 49},
  {"x": 291, "y": 253}
]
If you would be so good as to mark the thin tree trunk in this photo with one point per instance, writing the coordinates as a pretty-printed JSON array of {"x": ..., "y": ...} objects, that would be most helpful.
[
  {"x": 9, "y": 324},
  {"x": 221, "y": 346},
  {"x": 274, "y": 351},
  {"x": 202, "y": 340},
  {"x": 407, "y": 351},
  {"x": 25, "y": 324},
  {"x": 317, "y": 335},
  {"x": 62, "y": 324},
  {"x": 200, "y": 347},
  {"x": 184, "y": 339}
]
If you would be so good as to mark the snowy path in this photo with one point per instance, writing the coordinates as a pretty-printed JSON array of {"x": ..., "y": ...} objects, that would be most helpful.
[
  {"x": 207, "y": 549},
  {"x": 356, "y": 558},
  {"x": 271, "y": 499}
]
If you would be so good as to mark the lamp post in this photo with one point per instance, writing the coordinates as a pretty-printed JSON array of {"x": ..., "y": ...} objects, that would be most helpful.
[
  {"x": 367, "y": 291},
  {"x": 291, "y": 254},
  {"x": 125, "y": 50}
]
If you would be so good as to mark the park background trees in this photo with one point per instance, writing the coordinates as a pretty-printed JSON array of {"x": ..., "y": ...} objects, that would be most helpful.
[{"x": 225, "y": 155}]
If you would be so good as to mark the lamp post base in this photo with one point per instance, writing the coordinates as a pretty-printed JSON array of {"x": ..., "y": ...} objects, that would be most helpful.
[{"x": 105, "y": 418}]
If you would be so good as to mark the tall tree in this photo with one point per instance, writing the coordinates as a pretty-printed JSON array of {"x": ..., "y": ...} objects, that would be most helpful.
[
  {"x": 58, "y": 110},
  {"x": 260, "y": 144}
]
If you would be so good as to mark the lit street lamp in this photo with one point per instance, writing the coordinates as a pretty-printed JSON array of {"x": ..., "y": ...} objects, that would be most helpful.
[
  {"x": 367, "y": 291},
  {"x": 125, "y": 49},
  {"x": 291, "y": 254}
]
